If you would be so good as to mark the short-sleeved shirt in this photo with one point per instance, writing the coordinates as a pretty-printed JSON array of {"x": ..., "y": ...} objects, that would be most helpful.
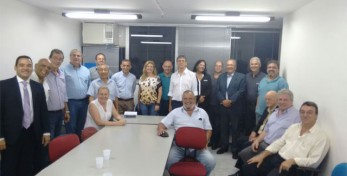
[
  {"x": 149, "y": 89},
  {"x": 104, "y": 115},
  {"x": 126, "y": 84},
  {"x": 96, "y": 84},
  {"x": 77, "y": 81},
  {"x": 264, "y": 86},
  {"x": 180, "y": 83},
  {"x": 278, "y": 124},
  {"x": 179, "y": 118},
  {"x": 165, "y": 83}
]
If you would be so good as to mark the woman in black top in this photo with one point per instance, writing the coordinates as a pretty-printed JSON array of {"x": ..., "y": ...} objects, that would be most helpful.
[{"x": 204, "y": 84}]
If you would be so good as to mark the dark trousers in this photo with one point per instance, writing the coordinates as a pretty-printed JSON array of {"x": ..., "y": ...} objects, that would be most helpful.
[
  {"x": 41, "y": 158},
  {"x": 269, "y": 167},
  {"x": 215, "y": 119},
  {"x": 249, "y": 121},
  {"x": 176, "y": 104},
  {"x": 227, "y": 117},
  {"x": 164, "y": 107},
  {"x": 55, "y": 119},
  {"x": 78, "y": 113},
  {"x": 18, "y": 158}
]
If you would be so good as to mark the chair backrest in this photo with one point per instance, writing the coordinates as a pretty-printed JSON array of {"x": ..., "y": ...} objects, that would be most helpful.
[
  {"x": 61, "y": 145},
  {"x": 87, "y": 132},
  {"x": 191, "y": 137},
  {"x": 340, "y": 170}
]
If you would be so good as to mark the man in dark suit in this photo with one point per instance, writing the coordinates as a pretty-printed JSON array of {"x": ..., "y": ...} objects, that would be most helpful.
[
  {"x": 230, "y": 87},
  {"x": 23, "y": 121}
]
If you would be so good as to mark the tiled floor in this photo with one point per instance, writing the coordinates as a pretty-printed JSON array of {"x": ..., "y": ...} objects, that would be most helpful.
[{"x": 225, "y": 164}]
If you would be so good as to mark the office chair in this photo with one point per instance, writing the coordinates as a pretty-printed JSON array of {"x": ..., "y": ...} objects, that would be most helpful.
[
  {"x": 340, "y": 170},
  {"x": 87, "y": 132},
  {"x": 61, "y": 145},
  {"x": 189, "y": 138}
]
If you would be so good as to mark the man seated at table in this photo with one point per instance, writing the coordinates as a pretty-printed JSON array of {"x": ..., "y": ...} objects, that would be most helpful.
[
  {"x": 303, "y": 144},
  {"x": 192, "y": 116},
  {"x": 101, "y": 111}
]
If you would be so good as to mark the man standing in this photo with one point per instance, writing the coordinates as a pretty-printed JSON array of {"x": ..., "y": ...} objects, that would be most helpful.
[
  {"x": 57, "y": 100},
  {"x": 271, "y": 82},
  {"x": 23, "y": 122},
  {"x": 303, "y": 144},
  {"x": 182, "y": 80},
  {"x": 165, "y": 78},
  {"x": 42, "y": 69},
  {"x": 231, "y": 87},
  {"x": 284, "y": 116},
  {"x": 252, "y": 81},
  {"x": 77, "y": 84},
  {"x": 192, "y": 116},
  {"x": 100, "y": 59},
  {"x": 126, "y": 84},
  {"x": 214, "y": 113}
]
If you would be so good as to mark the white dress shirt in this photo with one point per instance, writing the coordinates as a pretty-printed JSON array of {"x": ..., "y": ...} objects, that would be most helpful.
[
  {"x": 182, "y": 82},
  {"x": 307, "y": 150}
]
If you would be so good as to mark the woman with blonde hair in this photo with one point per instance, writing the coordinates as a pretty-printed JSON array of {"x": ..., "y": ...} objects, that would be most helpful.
[
  {"x": 101, "y": 111},
  {"x": 150, "y": 90}
]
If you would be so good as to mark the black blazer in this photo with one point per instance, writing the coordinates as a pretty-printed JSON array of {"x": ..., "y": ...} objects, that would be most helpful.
[
  {"x": 206, "y": 86},
  {"x": 236, "y": 89},
  {"x": 11, "y": 110}
]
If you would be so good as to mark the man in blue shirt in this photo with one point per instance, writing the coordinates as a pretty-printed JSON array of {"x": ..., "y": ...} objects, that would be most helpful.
[
  {"x": 126, "y": 84},
  {"x": 165, "y": 78},
  {"x": 77, "y": 79},
  {"x": 271, "y": 82}
]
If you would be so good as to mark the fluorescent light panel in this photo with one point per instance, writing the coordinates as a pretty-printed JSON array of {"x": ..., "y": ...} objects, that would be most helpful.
[
  {"x": 235, "y": 37},
  {"x": 146, "y": 35},
  {"x": 156, "y": 43},
  {"x": 101, "y": 16},
  {"x": 261, "y": 19}
]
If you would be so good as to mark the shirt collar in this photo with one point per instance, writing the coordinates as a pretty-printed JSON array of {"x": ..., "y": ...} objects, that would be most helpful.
[
  {"x": 196, "y": 109},
  {"x": 230, "y": 75},
  {"x": 19, "y": 79}
]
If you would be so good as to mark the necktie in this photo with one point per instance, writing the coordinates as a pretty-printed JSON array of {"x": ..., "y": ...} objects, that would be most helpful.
[{"x": 26, "y": 107}]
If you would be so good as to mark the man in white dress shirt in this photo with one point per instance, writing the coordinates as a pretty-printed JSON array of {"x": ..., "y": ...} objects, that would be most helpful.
[
  {"x": 42, "y": 69},
  {"x": 182, "y": 80},
  {"x": 303, "y": 144}
]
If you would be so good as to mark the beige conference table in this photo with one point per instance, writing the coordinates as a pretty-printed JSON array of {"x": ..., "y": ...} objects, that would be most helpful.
[
  {"x": 145, "y": 120},
  {"x": 135, "y": 150}
]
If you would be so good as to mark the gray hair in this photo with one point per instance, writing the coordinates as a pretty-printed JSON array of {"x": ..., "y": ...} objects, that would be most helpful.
[
  {"x": 108, "y": 67},
  {"x": 256, "y": 59},
  {"x": 286, "y": 92}
]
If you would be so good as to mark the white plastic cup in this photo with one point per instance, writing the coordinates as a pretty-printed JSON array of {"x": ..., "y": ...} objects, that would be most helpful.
[
  {"x": 99, "y": 162},
  {"x": 107, "y": 153}
]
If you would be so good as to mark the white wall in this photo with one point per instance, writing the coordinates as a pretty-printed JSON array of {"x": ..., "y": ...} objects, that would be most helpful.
[
  {"x": 27, "y": 30},
  {"x": 314, "y": 60}
]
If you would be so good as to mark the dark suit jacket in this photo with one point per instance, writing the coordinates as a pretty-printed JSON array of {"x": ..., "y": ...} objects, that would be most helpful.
[
  {"x": 236, "y": 90},
  {"x": 11, "y": 110}
]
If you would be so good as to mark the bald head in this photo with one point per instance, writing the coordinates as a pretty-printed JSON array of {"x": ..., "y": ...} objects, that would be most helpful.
[
  {"x": 42, "y": 68},
  {"x": 271, "y": 99}
]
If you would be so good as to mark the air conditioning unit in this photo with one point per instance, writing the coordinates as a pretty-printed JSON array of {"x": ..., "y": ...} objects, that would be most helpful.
[{"x": 99, "y": 33}]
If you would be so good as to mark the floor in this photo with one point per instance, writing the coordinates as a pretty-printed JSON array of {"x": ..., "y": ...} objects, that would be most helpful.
[{"x": 225, "y": 164}]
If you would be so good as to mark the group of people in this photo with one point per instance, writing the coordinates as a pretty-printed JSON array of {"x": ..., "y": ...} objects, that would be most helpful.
[{"x": 219, "y": 104}]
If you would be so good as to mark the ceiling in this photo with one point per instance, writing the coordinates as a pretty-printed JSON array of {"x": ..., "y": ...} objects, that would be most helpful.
[{"x": 178, "y": 12}]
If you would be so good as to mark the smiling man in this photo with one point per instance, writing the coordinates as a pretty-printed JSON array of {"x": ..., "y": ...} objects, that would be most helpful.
[
  {"x": 23, "y": 120},
  {"x": 271, "y": 82},
  {"x": 303, "y": 144},
  {"x": 188, "y": 115},
  {"x": 42, "y": 69}
]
